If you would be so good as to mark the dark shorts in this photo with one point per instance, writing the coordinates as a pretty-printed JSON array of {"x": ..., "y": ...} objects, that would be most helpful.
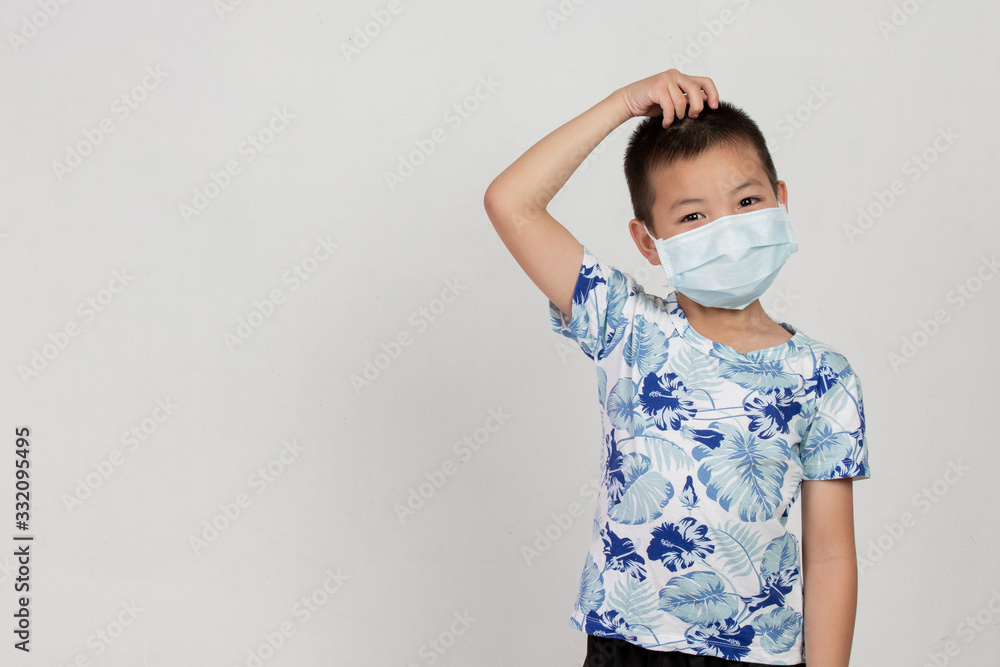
[{"x": 613, "y": 652}]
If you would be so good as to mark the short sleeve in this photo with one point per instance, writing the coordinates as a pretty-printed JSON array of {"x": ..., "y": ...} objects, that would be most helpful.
[
  {"x": 835, "y": 445},
  {"x": 597, "y": 322}
]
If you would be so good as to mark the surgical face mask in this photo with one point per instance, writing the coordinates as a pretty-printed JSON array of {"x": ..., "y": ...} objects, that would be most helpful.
[{"x": 731, "y": 261}]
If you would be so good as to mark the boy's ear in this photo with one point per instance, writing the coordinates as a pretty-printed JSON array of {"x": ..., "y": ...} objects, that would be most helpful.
[
  {"x": 643, "y": 241},
  {"x": 783, "y": 193}
]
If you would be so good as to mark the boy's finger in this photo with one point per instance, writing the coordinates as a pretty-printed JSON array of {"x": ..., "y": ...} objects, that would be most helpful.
[
  {"x": 679, "y": 103},
  {"x": 694, "y": 98},
  {"x": 711, "y": 92}
]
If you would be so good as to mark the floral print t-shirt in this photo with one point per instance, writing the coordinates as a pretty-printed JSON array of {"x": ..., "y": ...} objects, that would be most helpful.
[{"x": 704, "y": 452}]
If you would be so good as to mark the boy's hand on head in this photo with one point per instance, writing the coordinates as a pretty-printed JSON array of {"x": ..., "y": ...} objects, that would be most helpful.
[{"x": 664, "y": 93}]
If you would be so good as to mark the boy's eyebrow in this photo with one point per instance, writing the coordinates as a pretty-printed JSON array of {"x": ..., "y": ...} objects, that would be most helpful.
[{"x": 696, "y": 200}]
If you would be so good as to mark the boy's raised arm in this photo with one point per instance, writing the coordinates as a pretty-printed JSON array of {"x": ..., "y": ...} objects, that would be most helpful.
[{"x": 516, "y": 200}]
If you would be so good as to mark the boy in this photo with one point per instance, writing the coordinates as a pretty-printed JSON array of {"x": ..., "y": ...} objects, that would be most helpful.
[{"x": 714, "y": 416}]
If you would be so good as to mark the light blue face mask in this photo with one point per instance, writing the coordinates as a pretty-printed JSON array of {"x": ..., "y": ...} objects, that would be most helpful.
[{"x": 731, "y": 261}]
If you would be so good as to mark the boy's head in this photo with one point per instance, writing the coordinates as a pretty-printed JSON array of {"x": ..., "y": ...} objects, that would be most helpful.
[{"x": 697, "y": 166}]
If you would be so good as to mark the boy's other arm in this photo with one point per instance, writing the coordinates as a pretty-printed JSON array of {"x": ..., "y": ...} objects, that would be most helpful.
[
  {"x": 516, "y": 200},
  {"x": 829, "y": 571}
]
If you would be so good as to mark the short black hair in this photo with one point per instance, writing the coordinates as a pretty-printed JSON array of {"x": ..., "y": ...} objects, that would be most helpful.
[{"x": 652, "y": 146}]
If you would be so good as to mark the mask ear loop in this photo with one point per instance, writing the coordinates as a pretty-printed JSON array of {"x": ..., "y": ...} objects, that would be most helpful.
[{"x": 670, "y": 281}]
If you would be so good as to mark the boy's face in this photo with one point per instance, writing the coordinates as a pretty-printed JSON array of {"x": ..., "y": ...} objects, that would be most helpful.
[{"x": 693, "y": 192}]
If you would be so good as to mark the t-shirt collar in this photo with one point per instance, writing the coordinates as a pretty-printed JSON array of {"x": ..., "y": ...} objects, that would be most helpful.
[{"x": 711, "y": 347}]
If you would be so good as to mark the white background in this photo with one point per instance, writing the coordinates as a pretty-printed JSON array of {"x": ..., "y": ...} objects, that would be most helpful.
[{"x": 125, "y": 538}]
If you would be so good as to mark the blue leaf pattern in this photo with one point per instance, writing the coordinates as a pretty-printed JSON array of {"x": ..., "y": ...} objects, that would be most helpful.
[
  {"x": 744, "y": 474},
  {"x": 641, "y": 493},
  {"x": 699, "y": 598},
  {"x": 701, "y": 373},
  {"x": 752, "y": 373},
  {"x": 739, "y": 549},
  {"x": 624, "y": 409},
  {"x": 824, "y": 450},
  {"x": 637, "y": 603},
  {"x": 778, "y": 629},
  {"x": 618, "y": 293},
  {"x": 714, "y": 571},
  {"x": 666, "y": 454},
  {"x": 591, "y": 593},
  {"x": 646, "y": 349}
]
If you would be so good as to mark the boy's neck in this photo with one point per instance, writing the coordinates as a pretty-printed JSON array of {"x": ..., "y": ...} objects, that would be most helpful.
[{"x": 743, "y": 330}]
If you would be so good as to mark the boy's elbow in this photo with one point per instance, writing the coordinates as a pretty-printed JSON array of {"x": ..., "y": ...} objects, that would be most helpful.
[
  {"x": 494, "y": 203},
  {"x": 488, "y": 198},
  {"x": 491, "y": 198}
]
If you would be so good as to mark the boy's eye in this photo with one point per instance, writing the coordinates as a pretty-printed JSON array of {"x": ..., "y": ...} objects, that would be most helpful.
[{"x": 746, "y": 201}]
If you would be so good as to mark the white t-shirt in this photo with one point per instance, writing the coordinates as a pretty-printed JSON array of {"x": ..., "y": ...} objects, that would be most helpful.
[{"x": 704, "y": 452}]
